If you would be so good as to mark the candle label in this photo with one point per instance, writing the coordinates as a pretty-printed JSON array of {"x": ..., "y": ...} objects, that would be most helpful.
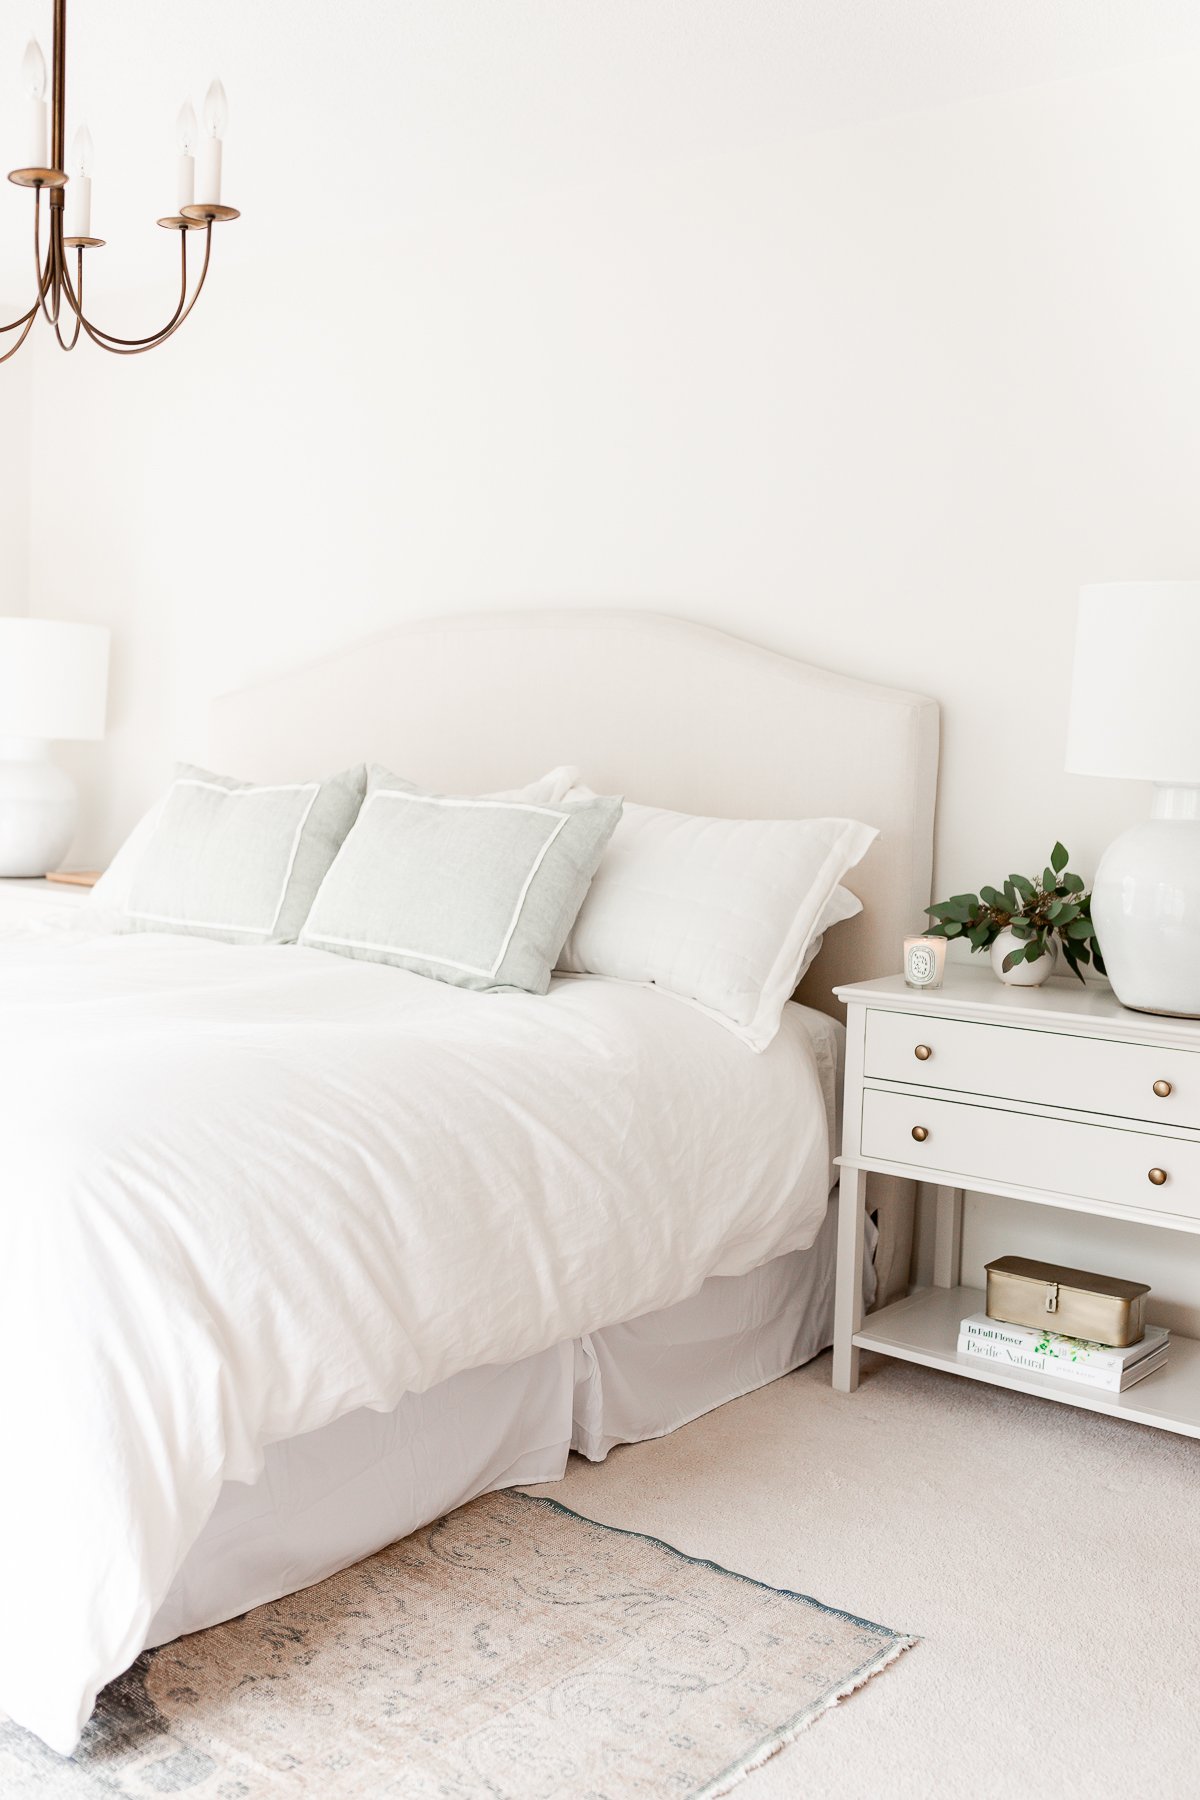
[{"x": 923, "y": 962}]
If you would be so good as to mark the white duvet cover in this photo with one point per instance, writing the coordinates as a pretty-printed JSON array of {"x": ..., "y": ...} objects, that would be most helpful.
[{"x": 245, "y": 1191}]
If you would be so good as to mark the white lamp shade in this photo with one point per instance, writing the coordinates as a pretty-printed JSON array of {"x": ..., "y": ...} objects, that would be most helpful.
[
  {"x": 1135, "y": 712},
  {"x": 53, "y": 679}
]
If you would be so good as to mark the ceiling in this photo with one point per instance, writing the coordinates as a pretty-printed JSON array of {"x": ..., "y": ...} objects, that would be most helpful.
[{"x": 342, "y": 109}]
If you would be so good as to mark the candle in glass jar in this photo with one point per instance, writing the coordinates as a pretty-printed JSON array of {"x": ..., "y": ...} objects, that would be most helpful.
[{"x": 924, "y": 961}]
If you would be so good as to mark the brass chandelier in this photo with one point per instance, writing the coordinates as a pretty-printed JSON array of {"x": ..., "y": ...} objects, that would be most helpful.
[{"x": 59, "y": 292}]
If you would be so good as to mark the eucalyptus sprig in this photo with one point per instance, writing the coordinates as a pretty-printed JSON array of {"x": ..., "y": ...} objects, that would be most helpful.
[{"x": 1036, "y": 911}]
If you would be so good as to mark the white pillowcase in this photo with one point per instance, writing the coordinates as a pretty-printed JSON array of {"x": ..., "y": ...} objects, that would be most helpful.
[
  {"x": 842, "y": 906},
  {"x": 111, "y": 893},
  {"x": 725, "y": 913}
]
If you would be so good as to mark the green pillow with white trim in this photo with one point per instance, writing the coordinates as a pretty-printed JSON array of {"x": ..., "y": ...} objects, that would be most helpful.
[
  {"x": 480, "y": 892},
  {"x": 240, "y": 861}
]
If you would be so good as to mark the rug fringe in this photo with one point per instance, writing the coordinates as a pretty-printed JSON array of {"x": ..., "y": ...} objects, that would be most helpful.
[{"x": 736, "y": 1773}]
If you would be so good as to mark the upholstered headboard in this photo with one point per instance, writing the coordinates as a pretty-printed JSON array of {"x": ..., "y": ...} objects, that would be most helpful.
[{"x": 663, "y": 711}]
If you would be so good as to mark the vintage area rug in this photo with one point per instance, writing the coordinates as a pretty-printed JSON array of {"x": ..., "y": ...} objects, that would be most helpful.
[{"x": 512, "y": 1650}]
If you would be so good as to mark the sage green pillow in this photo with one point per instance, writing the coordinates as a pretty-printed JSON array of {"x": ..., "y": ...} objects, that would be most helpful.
[
  {"x": 232, "y": 860},
  {"x": 480, "y": 892}
]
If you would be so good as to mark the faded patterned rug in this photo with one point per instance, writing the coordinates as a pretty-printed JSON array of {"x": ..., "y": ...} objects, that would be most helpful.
[{"x": 512, "y": 1650}]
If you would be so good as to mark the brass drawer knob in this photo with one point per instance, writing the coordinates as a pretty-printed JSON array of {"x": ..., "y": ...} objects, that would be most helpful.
[
  {"x": 1157, "y": 1176},
  {"x": 1162, "y": 1089},
  {"x": 923, "y": 1054},
  {"x": 920, "y": 1133}
]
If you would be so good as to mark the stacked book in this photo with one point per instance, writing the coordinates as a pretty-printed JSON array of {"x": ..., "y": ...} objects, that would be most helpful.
[{"x": 1066, "y": 1358}]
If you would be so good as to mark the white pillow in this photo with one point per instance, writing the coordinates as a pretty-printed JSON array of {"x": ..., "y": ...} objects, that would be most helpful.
[
  {"x": 722, "y": 912},
  {"x": 843, "y": 905},
  {"x": 547, "y": 790},
  {"x": 111, "y": 892}
]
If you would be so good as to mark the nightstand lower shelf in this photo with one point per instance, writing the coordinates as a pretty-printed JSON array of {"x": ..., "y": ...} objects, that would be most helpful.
[{"x": 923, "y": 1328}]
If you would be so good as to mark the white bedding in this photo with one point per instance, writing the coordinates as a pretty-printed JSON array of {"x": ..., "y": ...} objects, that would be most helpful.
[
  {"x": 249, "y": 1190},
  {"x": 340, "y": 1493}
]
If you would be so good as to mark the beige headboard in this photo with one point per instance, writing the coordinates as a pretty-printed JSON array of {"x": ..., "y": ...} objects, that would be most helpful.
[{"x": 666, "y": 712}]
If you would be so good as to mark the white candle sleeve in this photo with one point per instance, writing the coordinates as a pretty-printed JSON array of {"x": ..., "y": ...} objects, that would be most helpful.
[
  {"x": 78, "y": 220},
  {"x": 187, "y": 181},
  {"x": 37, "y": 134},
  {"x": 208, "y": 172}
]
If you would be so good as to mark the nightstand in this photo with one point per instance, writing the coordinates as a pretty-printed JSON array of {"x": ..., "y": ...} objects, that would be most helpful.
[
  {"x": 32, "y": 896},
  {"x": 1056, "y": 1095}
]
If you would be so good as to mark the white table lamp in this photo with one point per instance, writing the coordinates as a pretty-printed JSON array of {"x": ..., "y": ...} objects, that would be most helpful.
[
  {"x": 1135, "y": 713},
  {"x": 53, "y": 684}
]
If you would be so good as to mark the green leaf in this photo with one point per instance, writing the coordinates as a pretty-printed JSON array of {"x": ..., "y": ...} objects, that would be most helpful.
[
  {"x": 1021, "y": 928},
  {"x": 1011, "y": 903},
  {"x": 1079, "y": 928},
  {"x": 1058, "y": 860},
  {"x": 952, "y": 928},
  {"x": 1034, "y": 949},
  {"x": 990, "y": 897},
  {"x": 1014, "y": 957},
  {"x": 1024, "y": 888},
  {"x": 1097, "y": 959},
  {"x": 1048, "y": 881},
  {"x": 959, "y": 906},
  {"x": 979, "y": 935},
  {"x": 1054, "y": 909},
  {"x": 1073, "y": 883},
  {"x": 1067, "y": 910}
]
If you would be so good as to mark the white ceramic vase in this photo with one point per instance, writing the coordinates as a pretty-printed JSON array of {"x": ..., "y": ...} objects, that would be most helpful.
[
  {"x": 1025, "y": 974},
  {"x": 1146, "y": 908},
  {"x": 37, "y": 808}
]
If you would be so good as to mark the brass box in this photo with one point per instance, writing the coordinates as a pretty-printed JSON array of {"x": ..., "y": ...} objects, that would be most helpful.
[{"x": 1070, "y": 1301}]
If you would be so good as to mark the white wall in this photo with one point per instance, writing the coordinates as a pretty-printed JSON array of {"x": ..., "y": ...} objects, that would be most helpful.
[
  {"x": 16, "y": 391},
  {"x": 882, "y": 397}
]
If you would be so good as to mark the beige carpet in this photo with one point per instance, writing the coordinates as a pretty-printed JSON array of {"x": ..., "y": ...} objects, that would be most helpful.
[
  {"x": 513, "y": 1650},
  {"x": 1048, "y": 1558}
]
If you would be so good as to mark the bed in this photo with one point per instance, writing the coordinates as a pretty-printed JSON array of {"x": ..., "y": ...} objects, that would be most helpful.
[{"x": 235, "y": 1373}]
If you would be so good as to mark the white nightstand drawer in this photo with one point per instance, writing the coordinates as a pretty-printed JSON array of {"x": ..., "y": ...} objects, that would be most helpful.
[
  {"x": 1053, "y": 1155},
  {"x": 1051, "y": 1069}
]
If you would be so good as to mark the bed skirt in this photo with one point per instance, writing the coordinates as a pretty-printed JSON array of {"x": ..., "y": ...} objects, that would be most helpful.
[{"x": 333, "y": 1496}]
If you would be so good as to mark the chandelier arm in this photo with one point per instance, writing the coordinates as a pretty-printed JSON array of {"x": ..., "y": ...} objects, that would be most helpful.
[
  {"x": 76, "y": 306},
  {"x": 24, "y": 318},
  {"x": 30, "y": 317},
  {"x": 95, "y": 332},
  {"x": 49, "y": 280},
  {"x": 136, "y": 346}
]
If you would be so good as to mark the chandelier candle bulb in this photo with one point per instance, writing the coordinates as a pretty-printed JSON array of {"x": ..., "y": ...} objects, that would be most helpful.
[
  {"x": 208, "y": 158},
  {"x": 79, "y": 188},
  {"x": 208, "y": 172},
  {"x": 33, "y": 72},
  {"x": 186, "y": 132}
]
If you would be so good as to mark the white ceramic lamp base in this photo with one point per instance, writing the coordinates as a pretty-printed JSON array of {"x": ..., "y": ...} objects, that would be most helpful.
[
  {"x": 38, "y": 808},
  {"x": 1146, "y": 908}
]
